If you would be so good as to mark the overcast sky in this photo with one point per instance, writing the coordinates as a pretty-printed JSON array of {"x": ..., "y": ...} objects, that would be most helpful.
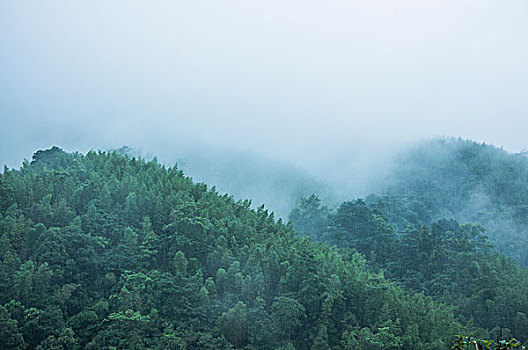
[{"x": 302, "y": 80}]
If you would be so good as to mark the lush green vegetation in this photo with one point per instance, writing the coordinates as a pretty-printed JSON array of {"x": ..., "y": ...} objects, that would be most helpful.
[
  {"x": 463, "y": 180},
  {"x": 450, "y": 262},
  {"x": 103, "y": 251}
]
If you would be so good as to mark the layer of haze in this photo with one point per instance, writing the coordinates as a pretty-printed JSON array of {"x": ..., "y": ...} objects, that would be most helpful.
[{"x": 324, "y": 84}]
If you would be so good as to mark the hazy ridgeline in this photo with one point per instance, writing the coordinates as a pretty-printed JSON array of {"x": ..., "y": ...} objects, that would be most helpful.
[
  {"x": 418, "y": 183},
  {"x": 428, "y": 229},
  {"x": 465, "y": 180},
  {"x": 277, "y": 184}
]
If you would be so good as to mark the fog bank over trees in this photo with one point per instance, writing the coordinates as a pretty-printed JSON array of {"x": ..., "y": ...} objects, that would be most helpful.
[{"x": 306, "y": 82}]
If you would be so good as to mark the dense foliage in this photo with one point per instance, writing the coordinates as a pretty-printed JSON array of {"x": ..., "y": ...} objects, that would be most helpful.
[
  {"x": 102, "y": 251},
  {"x": 462, "y": 180},
  {"x": 450, "y": 262}
]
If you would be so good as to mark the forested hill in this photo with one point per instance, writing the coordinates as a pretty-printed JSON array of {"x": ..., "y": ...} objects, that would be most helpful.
[
  {"x": 103, "y": 251},
  {"x": 466, "y": 181},
  {"x": 451, "y": 262},
  {"x": 446, "y": 209}
]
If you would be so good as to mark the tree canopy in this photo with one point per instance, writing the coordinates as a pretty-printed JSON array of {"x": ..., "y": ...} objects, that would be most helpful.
[{"x": 106, "y": 251}]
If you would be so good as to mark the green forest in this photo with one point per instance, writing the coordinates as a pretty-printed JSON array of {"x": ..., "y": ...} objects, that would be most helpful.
[
  {"x": 110, "y": 251},
  {"x": 463, "y": 180}
]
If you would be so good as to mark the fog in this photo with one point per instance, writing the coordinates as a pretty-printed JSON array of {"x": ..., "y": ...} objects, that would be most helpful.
[{"x": 331, "y": 87}]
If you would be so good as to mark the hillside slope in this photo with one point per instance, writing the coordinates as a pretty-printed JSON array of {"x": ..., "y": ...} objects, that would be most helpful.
[{"x": 101, "y": 250}]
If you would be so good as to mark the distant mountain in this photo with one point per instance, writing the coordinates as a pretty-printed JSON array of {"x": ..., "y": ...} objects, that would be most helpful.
[{"x": 465, "y": 180}]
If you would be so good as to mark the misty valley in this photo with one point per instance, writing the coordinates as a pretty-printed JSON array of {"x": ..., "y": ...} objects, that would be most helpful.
[{"x": 109, "y": 250}]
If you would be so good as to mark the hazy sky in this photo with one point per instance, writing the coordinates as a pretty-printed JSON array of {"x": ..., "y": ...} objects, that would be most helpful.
[{"x": 302, "y": 80}]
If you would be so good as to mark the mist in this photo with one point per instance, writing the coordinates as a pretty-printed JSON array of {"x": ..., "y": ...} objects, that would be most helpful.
[{"x": 332, "y": 88}]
